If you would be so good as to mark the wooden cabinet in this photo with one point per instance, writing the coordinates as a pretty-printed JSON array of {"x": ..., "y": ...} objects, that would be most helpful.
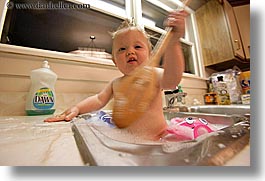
[
  {"x": 242, "y": 14},
  {"x": 220, "y": 38}
]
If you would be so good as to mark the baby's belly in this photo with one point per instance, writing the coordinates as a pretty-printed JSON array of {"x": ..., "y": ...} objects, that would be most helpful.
[{"x": 150, "y": 126}]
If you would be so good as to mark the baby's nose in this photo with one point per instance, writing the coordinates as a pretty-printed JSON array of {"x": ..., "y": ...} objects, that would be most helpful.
[{"x": 130, "y": 53}]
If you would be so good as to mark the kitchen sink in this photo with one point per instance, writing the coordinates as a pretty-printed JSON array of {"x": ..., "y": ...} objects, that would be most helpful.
[
  {"x": 241, "y": 110},
  {"x": 220, "y": 121},
  {"x": 99, "y": 148}
]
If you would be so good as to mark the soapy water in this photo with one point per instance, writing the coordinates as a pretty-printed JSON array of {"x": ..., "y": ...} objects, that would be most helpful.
[
  {"x": 104, "y": 129},
  {"x": 163, "y": 151},
  {"x": 101, "y": 118},
  {"x": 102, "y": 121}
]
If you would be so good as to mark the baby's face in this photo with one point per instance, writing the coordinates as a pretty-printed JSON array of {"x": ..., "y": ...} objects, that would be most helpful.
[{"x": 130, "y": 49}]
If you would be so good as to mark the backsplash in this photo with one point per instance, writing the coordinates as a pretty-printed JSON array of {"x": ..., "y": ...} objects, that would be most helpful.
[
  {"x": 78, "y": 77},
  {"x": 13, "y": 104}
]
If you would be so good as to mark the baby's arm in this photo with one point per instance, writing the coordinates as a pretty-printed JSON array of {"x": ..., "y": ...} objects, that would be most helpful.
[
  {"x": 97, "y": 101},
  {"x": 173, "y": 58},
  {"x": 89, "y": 104}
]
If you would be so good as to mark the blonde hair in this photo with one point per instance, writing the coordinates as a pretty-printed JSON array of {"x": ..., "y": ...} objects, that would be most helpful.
[{"x": 128, "y": 24}]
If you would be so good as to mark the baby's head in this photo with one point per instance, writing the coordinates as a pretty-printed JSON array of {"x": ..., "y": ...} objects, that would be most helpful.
[
  {"x": 131, "y": 47},
  {"x": 129, "y": 25}
]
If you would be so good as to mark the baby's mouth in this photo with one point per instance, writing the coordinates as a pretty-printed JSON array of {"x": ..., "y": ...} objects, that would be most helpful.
[{"x": 132, "y": 59}]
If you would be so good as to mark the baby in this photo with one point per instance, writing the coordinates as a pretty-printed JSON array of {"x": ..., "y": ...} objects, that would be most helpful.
[{"x": 131, "y": 48}]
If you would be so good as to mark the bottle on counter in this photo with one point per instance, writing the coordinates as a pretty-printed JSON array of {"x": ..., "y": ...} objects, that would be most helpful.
[
  {"x": 175, "y": 99},
  {"x": 170, "y": 98},
  {"x": 245, "y": 82},
  {"x": 210, "y": 96},
  {"x": 41, "y": 99},
  {"x": 245, "y": 85},
  {"x": 223, "y": 96},
  {"x": 180, "y": 96}
]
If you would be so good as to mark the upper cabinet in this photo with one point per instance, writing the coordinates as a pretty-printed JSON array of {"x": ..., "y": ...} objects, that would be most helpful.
[
  {"x": 243, "y": 19},
  {"x": 221, "y": 37}
]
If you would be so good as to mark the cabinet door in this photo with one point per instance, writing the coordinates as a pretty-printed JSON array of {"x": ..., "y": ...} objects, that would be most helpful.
[
  {"x": 214, "y": 33},
  {"x": 233, "y": 26},
  {"x": 243, "y": 19}
]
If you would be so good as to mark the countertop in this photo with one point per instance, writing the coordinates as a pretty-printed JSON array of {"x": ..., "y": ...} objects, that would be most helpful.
[
  {"x": 28, "y": 141},
  {"x": 241, "y": 159}
]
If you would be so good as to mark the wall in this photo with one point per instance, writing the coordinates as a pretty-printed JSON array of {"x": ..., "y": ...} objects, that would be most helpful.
[{"x": 78, "y": 77}]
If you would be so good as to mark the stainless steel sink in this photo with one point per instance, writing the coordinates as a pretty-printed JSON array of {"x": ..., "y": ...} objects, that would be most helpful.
[
  {"x": 219, "y": 120},
  {"x": 242, "y": 110},
  {"x": 98, "y": 148},
  {"x": 221, "y": 116}
]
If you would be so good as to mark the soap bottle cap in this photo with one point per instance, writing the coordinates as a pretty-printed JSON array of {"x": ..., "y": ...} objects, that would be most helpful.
[
  {"x": 45, "y": 64},
  {"x": 180, "y": 89}
]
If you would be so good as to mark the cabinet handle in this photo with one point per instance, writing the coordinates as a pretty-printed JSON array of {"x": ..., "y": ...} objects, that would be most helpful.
[{"x": 238, "y": 44}]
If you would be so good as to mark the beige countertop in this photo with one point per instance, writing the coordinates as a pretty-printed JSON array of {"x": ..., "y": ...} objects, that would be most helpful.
[
  {"x": 28, "y": 141},
  {"x": 241, "y": 159}
]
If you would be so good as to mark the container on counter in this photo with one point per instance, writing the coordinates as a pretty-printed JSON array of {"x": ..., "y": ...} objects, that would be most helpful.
[
  {"x": 41, "y": 99},
  {"x": 180, "y": 95},
  {"x": 210, "y": 98},
  {"x": 170, "y": 98},
  {"x": 245, "y": 82},
  {"x": 245, "y": 98},
  {"x": 231, "y": 79},
  {"x": 223, "y": 97}
]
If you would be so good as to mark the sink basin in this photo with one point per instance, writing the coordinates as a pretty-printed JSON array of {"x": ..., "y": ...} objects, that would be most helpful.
[
  {"x": 220, "y": 121},
  {"x": 242, "y": 110},
  {"x": 98, "y": 147}
]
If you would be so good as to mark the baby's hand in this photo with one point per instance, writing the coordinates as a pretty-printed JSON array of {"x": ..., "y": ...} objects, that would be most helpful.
[
  {"x": 176, "y": 20},
  {"x": 68, "y": 115},
  {"x": 56, "y": 118}
]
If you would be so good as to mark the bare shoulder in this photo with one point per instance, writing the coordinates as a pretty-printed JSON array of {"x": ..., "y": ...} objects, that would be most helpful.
[
  {"x": 115, "y": 82},
  {"x": 159, "y": 70}
]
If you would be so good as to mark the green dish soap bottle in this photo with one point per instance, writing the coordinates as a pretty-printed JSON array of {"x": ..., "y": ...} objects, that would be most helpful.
[{"x": 41, "y": 99}]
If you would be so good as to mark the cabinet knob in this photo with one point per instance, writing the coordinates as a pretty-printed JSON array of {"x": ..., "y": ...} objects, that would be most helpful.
[{"x": 238, "y": 44}]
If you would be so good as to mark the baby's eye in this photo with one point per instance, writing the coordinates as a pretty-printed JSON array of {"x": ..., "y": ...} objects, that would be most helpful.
[
  {"x": 121, "y": 49},
  {"x": 138, "y": 46}
]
